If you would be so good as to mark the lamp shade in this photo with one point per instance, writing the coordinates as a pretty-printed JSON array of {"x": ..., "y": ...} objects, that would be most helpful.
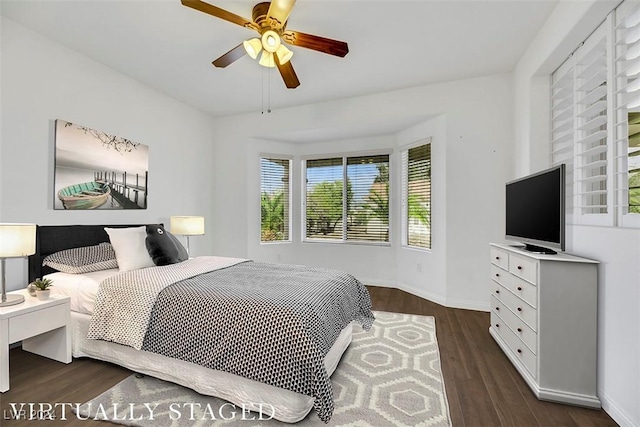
[
  {"x": 253, "y": 47},
  {"x": 283, "y": 54},
  {"x": 187, "y": 225},
  {"x": 266, "y": 59},
  {"x": 17, "y": 240}
]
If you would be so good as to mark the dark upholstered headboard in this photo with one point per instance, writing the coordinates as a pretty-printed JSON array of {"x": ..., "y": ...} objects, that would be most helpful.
[{"x": 54, "y": 238}]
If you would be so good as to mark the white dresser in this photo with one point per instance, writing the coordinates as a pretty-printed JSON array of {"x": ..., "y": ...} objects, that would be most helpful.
[{"x": 544, "y": 316}]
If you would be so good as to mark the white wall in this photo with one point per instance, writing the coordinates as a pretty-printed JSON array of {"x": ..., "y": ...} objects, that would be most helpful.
[
  {"x": 617, "y": 249},
  {"x": 42, "y": 81},
  {"x": 470, "y": 123}
]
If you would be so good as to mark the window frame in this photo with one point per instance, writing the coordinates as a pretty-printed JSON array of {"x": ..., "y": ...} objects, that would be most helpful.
[
  {"x": 289, "y": 226},
  {"x": 404, "y": 150},
  {"x": 345, "y": 157},
  {"x": 616, "y": 185}
]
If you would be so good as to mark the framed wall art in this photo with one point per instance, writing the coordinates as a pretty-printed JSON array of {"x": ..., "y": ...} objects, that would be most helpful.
[{"x": 96, "y": 170}]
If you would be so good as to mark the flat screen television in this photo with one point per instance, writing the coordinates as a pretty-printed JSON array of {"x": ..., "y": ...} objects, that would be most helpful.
[{"x": 535, "y": 210}]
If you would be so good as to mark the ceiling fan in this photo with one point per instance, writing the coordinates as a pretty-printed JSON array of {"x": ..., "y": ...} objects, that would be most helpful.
[{"x": 270, "y": 20}]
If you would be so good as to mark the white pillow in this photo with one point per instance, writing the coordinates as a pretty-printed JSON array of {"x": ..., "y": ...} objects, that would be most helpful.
[{"x": 130, "y": 248}]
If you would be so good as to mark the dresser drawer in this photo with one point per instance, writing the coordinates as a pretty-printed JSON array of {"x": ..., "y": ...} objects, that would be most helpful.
[
  {"x": 500, "y": 257},
  {"x": 517, "y": 326},
  {"x": 518, "y": 306},
  {"x": 37, "y": 322},
  {"x": 499, "y": 275},
  {"x": 524, "y": 268},
  {"x": 517, "y": 347},
  {"x": 523, "y": 289}
]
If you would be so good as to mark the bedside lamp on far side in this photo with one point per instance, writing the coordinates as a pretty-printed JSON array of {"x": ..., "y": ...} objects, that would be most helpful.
[
  {"x": 187, "y": 226},
  {"x": 16, "y": 241}
]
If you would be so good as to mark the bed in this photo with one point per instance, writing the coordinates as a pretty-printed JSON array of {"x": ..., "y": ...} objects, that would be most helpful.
[{"x": 244, "y": 385}]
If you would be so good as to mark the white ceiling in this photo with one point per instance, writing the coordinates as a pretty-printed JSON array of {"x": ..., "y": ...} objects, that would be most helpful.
[{"x": 393, "y": 45}]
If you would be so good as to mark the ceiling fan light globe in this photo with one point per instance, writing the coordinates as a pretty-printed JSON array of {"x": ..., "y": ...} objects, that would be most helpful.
[
  {"x": 266, "y": 60},
  {"x": 284, "y": 54},
  {"x": 253, "y": 47},
  {"x": 270, "y": 41}
]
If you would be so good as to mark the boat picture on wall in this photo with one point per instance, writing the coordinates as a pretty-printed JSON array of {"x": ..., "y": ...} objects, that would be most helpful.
[
  {"x": 88, "y": 195},
  {"x": 97, "y": 170}
]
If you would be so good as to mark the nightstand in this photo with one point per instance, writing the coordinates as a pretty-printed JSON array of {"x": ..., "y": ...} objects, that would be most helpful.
[{"x": 43, "y": 327}]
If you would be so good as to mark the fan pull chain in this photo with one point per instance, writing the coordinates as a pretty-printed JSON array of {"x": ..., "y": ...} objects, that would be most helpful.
[{"x": 266, "y": 75}]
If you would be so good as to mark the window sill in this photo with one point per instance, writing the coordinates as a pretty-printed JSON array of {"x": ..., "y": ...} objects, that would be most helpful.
[
  {"x": 417, "y": 249},
  {"x": 347, "y": 242}
]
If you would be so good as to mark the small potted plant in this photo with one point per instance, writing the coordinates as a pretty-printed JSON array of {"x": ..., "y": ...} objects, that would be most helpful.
[{"x": 42, "y": 288}]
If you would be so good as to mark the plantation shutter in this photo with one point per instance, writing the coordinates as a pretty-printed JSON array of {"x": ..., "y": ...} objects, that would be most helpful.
[
  {"x": 368, "y": 198},
  {"x": 562, "y": 125},
  {"x": 416, "y": 190},
  {"x": 324, "y": 207},
  {"x": 275, "y": 209},
  {"x": 592, "y": 115},
  {"x": 627, "y": 124}
]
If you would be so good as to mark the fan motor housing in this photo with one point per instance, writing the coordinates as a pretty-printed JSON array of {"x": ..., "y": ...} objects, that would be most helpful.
[{"x": 259, "y": 14}]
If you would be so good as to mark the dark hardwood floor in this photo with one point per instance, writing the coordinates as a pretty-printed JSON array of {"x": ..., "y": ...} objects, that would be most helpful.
[{"x": 483, "y": 388}]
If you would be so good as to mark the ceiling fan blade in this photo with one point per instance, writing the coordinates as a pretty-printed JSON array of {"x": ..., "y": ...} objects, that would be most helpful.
[
  {"x": 279, "y": 12},
  {"x": 230, "y": 57},
  {"x": 288, "y": 73},
  {"x": 220, "y": 13},
  {"x": 321, "y": 44}
]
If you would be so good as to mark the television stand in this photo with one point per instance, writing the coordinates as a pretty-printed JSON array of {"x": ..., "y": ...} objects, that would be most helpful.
[{"x": 539, "y": 249}]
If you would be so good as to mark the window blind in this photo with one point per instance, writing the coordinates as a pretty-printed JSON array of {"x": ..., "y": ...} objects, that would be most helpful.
[
  {"x": 416, "y": 190},
  {"x": 347, "y": 198},
  {"x": 592, "y": 115},
  {"x": 602, "y": 151},
  {"x": 627, "y": 125},
  {"x": 275, "y": 211},
  {"x": 562, "y": 126},
  {"x": 368, "y": 198},
  {"x": 324, "y": 207}
]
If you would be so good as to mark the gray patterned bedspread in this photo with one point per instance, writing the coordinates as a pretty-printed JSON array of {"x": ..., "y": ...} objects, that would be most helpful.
[{"x": 250, "y": 318}]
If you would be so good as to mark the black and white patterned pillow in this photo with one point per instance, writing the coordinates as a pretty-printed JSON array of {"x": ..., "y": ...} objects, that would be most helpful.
[{"x": 83, "y": 260}]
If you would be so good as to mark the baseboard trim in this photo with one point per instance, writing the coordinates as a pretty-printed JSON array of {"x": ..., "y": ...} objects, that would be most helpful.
[
  {"x": 619, "y": 416},
  {"x": 431, "y": 296}
]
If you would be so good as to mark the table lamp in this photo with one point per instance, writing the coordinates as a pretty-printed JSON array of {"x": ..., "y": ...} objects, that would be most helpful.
[
  {"x": 16, "y": 241},
  {"x": 187, "y": 226}
]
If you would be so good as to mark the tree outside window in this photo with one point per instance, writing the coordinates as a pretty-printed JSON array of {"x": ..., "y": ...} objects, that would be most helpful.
[
  {"x": 351, "y": 209},
  {"x": 274, "y": 200}
]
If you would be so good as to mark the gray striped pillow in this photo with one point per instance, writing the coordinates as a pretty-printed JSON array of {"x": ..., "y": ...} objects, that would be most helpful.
[{"x": 83, "y": 260}]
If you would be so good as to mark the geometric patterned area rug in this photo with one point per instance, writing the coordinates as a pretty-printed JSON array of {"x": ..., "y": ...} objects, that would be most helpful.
[{"x": 389, "y": 376}]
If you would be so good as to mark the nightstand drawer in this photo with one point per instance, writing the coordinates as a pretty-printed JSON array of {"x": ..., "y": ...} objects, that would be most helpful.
[{"x": 37, "y": 322}]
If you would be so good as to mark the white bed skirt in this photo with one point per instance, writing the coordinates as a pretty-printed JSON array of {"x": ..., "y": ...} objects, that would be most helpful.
[{"x": 290, "y": 407}]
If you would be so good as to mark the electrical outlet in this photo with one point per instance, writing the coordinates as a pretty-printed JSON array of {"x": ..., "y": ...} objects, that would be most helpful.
[{"x": 419, "y": 267}]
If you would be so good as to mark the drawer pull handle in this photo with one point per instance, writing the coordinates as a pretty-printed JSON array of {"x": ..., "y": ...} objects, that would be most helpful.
[
  {"x": 497, "y": 257},
  {"x": 497, "y": 291},
  {"x": 497, "y": 308},
  {"x": 519, "y": 288},
  {"x": 519, "y": 267},
  {"x": 519, "y": 329},
  {"x": 519, "y": 308},
  {"x": 497, "y": 274},
  {"x": 497, "y": 325},
  {"x": 519, "y": 351}
]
